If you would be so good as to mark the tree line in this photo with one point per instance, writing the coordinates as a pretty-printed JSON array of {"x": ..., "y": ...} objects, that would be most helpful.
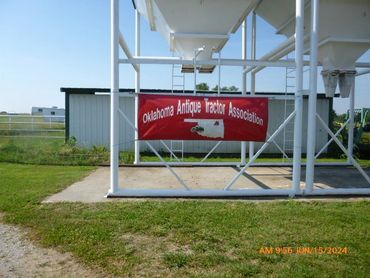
[{"x": 205, "y": 87}]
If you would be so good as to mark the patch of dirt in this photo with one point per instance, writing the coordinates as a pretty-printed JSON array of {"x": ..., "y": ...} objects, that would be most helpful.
[
  {"x": 19, "y": 257},
  {"x": 149, "y": 248}
]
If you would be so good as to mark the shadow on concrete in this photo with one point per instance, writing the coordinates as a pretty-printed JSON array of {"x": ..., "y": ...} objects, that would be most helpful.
[
  {"x": 252, "y": 179},
  {"x": 338, "y": 177}
]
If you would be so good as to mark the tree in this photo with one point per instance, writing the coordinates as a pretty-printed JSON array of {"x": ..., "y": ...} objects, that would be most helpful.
[
  {"x": 233, "y": 88},
  {"x": 202, "y": 87},
  {"x": 226, "y": 89}
]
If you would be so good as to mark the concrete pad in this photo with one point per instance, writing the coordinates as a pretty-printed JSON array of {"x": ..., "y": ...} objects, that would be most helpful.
[
  {"x": 91, "y": 189},
  {"x": 94, "y": 187}
]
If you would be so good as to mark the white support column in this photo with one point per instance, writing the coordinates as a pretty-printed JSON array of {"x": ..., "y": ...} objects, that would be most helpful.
[
  {"x": 351, "y": 122},
  {"x": 253, "y": 76},
  {"x": 243, "y": 146},
  {"x": 195, "y": 72},
  {"x": 196, "y": 53},
  {"x": 219, "y": 74},
  {"x": 137, "y": 86},
  {"x": 311, "y": 128},
  {"x": 298, "y": 104},
  {"x": 244, "y": 55},
  {"x": 114, "y": 132}
]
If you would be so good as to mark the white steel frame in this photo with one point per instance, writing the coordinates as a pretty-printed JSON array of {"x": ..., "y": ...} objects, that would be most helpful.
[{"x": 270, "y": 60}]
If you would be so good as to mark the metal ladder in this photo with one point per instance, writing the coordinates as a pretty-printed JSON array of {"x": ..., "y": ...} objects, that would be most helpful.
[
  {"x": 177, "y": 148},
  {"x": 178, "y": 83},
  {"x": 288, "y": 132},
  {"x": 178, "y": 78}
]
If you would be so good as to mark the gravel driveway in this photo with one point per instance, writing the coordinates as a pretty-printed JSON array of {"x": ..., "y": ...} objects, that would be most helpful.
[{"x": 19, "y": 257}]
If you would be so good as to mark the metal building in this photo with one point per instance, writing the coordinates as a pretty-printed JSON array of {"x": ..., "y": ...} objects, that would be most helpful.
[{"x": 50, "y": 113}]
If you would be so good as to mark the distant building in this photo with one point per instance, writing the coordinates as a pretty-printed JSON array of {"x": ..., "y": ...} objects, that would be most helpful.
[{"x": 53, "y": 114}]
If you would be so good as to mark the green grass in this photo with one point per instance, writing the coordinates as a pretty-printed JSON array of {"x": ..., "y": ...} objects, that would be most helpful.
[
  {"x": 186, "y": 238},
  {"x": 45, "y": 151},
  {"x": 56, "y": 152}
]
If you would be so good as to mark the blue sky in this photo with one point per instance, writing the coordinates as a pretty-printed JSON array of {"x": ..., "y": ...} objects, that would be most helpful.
[{"x": 45, "y": 45}]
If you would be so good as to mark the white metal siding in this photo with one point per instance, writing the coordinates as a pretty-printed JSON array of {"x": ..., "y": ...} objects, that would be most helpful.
[
  {"x": 89, "y": 120},
  {"x": 89, "y": 123}
]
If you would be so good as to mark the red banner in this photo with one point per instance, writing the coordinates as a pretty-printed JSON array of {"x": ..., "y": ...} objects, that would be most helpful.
[{"x": 202, "y": 118}]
